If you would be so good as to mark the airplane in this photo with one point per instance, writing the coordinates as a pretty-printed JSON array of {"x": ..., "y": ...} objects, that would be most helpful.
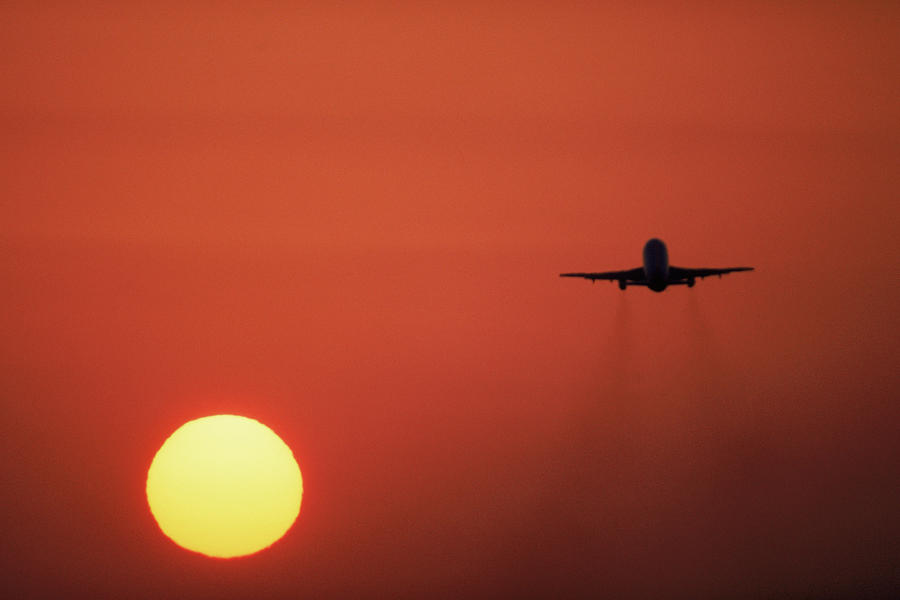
[{"x": 656, "y": 273}]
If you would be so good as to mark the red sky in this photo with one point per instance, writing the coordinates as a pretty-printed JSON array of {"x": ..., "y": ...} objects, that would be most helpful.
[{"x": 348, "y": 223}]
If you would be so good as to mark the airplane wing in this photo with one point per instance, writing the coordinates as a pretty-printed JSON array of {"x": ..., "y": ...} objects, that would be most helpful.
[
  {"x": 630, "y": 275},
  {"x": 678, "y": 273}
]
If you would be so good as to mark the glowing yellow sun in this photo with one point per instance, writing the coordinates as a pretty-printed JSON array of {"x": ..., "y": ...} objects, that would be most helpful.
[{"x": 224, "y": 486}]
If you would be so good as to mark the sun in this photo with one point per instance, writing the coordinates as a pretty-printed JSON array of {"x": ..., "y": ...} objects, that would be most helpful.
[{"x": 224, "y": 486}]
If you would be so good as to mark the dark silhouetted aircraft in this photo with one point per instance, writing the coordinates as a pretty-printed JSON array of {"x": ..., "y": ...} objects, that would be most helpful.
[{"x": 656, "y": 273}]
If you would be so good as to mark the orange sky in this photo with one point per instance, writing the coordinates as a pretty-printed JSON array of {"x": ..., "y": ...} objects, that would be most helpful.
[{"x": 348, "y": 223}]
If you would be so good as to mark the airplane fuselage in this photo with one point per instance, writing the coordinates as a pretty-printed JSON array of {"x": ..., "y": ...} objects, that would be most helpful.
[{"x": 656, "y": 265}]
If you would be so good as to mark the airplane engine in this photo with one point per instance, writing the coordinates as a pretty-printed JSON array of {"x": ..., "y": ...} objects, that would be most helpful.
[
  {"x": 622, "y": 284},
  {"x": 691, "y": 282}
]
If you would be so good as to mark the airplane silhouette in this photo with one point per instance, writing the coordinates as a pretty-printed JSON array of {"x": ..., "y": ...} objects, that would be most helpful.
[{"x": 656, "y": 273}]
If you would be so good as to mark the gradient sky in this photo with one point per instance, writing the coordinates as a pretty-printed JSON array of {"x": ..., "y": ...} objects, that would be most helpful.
[{"x": 348, "y": 223}]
